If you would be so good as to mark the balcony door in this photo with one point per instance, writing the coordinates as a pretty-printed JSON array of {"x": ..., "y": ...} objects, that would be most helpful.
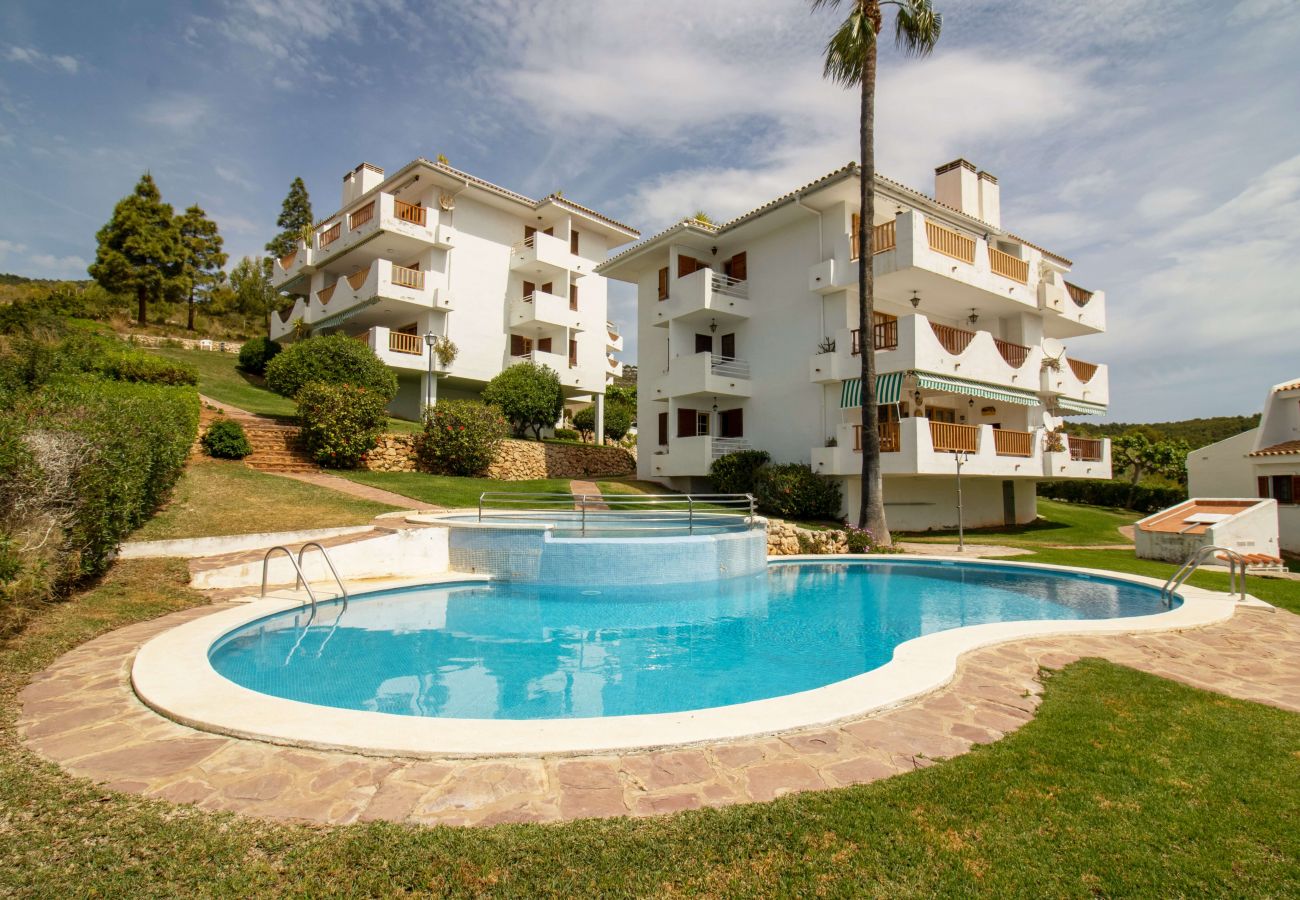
[
  {"x": 688, "y": 264},
  {"x": 544, "y": 345},
  {"x": 520, "y": 345},
  {"x": 941, "y": 414},
  {"x": 729, "y": 346},
  {"x": 703, "y": 343},
  {"x": 731, "y": 423},
  {"x": 736, "y": 267},
  {"x": 573, "y": 353}
]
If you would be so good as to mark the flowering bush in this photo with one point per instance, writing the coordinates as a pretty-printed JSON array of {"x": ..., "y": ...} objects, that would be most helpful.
[
  {"x": 461, "y": 437},
  {"x": 858, "y": 540},
  {"x": 340, "y": 423},
  {"x": 795, "y": 491}
]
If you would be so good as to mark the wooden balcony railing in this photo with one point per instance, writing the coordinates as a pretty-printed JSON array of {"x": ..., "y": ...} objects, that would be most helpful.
[
  {"x": 287, "y": 260},
  {"x": 889, "y": 437},
  {"x": 324, "y": 294},
  {"x": 358, "y": 278},
  {"x": 884, "y": 335},
  {"x": 1013, "y": 443},
  {"x": 361, "y": 216},
  {"x": 949, "y": 242},
  {"x": 1085, "y": 449},
  {"x": 412, "y": 278},
  {"x": 954, "y": 340},
  {"x": 1008, "y": 266},
  {"x": 330, "y": 235},
  {"x": 1082, "y": 370},
  {"x": 409, "y": 212},
  {"x": 947, "y": 436},
  {"x": 1078, "y": 294},
  {"x": 1014, "y": 354},
  {"x": 401, "y": 342},
  {"x": 883, "y": 237}
]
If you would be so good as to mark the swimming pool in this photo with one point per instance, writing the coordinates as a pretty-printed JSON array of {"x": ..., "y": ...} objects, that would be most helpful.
[{"x": 518, "y": 651}]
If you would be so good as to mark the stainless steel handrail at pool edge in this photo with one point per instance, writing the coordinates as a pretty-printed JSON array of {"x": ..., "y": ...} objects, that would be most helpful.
[
  {"x": 299, "y": 577},
  {"x": 730, "y": 504},
  {"x": 329, "y": 562},
  {"x": 1194, "y": 562}
]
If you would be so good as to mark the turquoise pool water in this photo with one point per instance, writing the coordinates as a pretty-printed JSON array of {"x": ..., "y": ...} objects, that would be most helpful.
[{"x": 528, "y": 651}]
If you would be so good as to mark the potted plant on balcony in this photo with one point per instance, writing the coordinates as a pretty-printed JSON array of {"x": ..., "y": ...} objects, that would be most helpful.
[
  {"x": 1052, "y": 362},
  {"x": 445, "y": 349},
  {"x": 827, "y": 345},
  {"x": 1053, "y": 441}
]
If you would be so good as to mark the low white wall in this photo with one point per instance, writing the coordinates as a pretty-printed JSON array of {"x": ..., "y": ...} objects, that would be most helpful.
[{"x": 930, "y": 504}]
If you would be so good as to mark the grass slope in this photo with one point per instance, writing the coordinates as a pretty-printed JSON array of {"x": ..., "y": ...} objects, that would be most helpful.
[
  {"x": 450, "y": 490},
  {"x": 217, "y": 497},
  {"x": 1058, "y": 523},
  {"x": 1124, "y": 784}
]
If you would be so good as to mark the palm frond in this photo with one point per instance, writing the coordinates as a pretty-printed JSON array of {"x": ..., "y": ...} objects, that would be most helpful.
[
  {"x": 917, "y": 27},
  {"x": 825, "y": 4},
  {"x": 846, "y": 51}
]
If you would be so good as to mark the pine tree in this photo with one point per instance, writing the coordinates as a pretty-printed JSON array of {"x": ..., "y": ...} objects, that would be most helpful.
[
  {"x": 295, "y": 219},
  {"x": 202, "y": 270},
  {"x": 140, "y": 249}
]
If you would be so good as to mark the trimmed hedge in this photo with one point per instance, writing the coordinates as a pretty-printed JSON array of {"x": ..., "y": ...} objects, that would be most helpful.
[
  {"x": 331, "y": 359},
  {"x": 461, "y": 437},
  {"x": 146, "y": 368},
  {"x": 340, "y": 423},
  {"x": 795, "y": 491},
  {"x": 255, "y": 354},
  {"x": 735, "y": 472},
  {"x": 1138, "y": 497},
  {"x": 225, "y": 439}
]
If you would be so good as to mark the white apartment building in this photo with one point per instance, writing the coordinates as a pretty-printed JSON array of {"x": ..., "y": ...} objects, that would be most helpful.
[
  {"x": 748, "y": 339},
  {"x": 1262, "y": 462},
  {"x": 431, "y": 251}
]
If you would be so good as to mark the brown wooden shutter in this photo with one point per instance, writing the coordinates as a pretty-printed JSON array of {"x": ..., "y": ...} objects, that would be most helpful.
[
  {"x": 704, "y": 343},
  {"x": 736, "y": 267},
  {"x": 853, "y": 236},
  {"x": 686, "y": 423},
  {"x": 573, "y": 351},
  {"x": 729, "y": 346},
  {"x": 517, "y": 345},
  {"x": 529, "y": 231},
  {"x": 732, "y": 423},
  {"x": 529, "y": 288},
  {"x": 548, "y": 288},
  {"x": 663, "y": 428},
  {"x": 573, "y": 296},
  {"x": 1295, "y": 488},
  {"x": 687, "y": 264},
  {"x": 573, "y": 242},
  {"x": 550, "y": 231},
  {"x": 544, "y": 345},
  {"x": 1262, "y": 482},
  {"x": 663, "y": 283}
]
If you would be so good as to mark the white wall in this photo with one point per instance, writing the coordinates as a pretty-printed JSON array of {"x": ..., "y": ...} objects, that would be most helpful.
[{"x": 1223, "y": 469}]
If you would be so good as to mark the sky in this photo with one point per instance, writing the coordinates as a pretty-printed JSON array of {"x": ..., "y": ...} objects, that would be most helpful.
[{"x": 1154, "y": 142}]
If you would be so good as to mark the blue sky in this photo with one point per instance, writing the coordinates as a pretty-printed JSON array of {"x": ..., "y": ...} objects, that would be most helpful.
[{"x": 1155, "y": 142}]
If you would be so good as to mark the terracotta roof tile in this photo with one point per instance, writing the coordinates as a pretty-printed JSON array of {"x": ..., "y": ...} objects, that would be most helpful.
[
  {"x": 1282, "y": 449},
  {"x": 1286, "y": 387}
]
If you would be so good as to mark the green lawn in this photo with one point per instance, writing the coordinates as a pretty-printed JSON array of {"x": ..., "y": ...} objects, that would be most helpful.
[
  {"x": 1123, "y": 785},
  {"x": 226, "y": 497},
  {"x": 450, "y": 490},
  {"x": 220, "y": 380},
  {"x": 1058, "y": 524}
]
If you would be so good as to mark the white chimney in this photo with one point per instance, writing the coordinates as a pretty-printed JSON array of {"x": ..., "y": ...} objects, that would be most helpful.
[
  {"x": 990, "y": 200},
  {"x": 359, "y": 180},
  {"x": 957, "y": 185}
]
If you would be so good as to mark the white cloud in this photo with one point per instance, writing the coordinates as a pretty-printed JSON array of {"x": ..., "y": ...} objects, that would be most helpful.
[
  {"x": 179, "y": 112},
  {"x": 225, "y": 173},
  {"x": 33, "y": 57},
  {"x": 17, "y": 258},
  {"x": 1166, "y": 203}
]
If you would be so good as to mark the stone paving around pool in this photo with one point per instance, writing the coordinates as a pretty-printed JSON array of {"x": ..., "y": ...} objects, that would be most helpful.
[{"x": 82, "y": 714}]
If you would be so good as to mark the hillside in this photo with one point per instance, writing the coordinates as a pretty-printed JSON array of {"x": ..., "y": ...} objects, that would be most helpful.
[{"x": 1194, "y": 432}]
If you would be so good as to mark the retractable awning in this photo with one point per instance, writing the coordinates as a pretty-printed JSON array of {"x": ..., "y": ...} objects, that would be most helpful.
[
  {"x": 889, "y": 387},
  {"x": 931, "y": 382},
  {"x": 1080, "y": 407},
  {"x": 340, "y": 317}
]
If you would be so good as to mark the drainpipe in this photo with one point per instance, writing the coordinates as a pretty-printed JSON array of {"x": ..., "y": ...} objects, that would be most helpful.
[{"x": 798, "y": 201}]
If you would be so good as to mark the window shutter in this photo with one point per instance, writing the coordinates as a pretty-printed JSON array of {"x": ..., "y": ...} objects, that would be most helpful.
[
  {"x": 573, "y": 242},
  {"x": 517, "y": 345},
  {"x": 573, "y": 352},
  {"x": 663, "y": 283},
  {"x": 1262, "y": 482},
  {"x": 729, "y": 346},
  {"x": 529, "y": 288},
  {"x": 853, "y": 236},
  {"x": 663, "y": 429},
  {"x": 1295, "y": 488},
  {"x": 548, "y": 288},
  {"x": 686, "y": 423},
  {"x": 529, "y": 231},
  {"x": 544, "y": 345},
  {"x": 704, "y": 343},
  {"x": 573, "y": 296},
  {"x": 736, "y": 267},
  {"x": 687, "y": 264},
  {"x": 550, "y": 231}
]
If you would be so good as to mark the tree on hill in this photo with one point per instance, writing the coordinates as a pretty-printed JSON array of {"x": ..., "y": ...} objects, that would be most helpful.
[
  {"x": 202, "y": 269},
  {"x": 254, "y": 295},
  {"x": 851, "y": 63},
  {"x": 295, "y": 220},
  {"x": 1137, "y": 453},
  {"x": 529, "y": 396},
  {"x": 140, "y": 249},
  {"x": 1195, "y": 432}
]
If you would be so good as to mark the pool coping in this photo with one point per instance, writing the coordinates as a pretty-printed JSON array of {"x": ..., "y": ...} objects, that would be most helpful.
[{"x": 173, "y": 676}]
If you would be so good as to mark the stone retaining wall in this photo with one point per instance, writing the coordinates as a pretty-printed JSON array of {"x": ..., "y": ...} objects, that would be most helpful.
[
  {"x": 517, "y": 460},
  {"x": 154, "y": 340},
  {"x": 784, "y": 539}
]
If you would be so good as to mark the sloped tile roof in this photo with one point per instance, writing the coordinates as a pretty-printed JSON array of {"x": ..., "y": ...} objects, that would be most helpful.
[{"x": 1282, "y": 449}]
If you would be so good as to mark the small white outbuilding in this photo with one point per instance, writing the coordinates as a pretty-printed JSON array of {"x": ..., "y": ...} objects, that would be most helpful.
[{"x": 1248, "y": 526}]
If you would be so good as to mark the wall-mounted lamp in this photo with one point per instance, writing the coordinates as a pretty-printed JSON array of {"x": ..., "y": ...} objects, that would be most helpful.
[
  {"x": 916, "y": 301},
  {"x": 714, "y": 250},
  {"x": 916, "y": 398},
  {"x": 973, "y": 317},
  {"x": 715, "y": 404},
  {"x": 971, "y": 403},
  {"x": 713, "y": 326}
]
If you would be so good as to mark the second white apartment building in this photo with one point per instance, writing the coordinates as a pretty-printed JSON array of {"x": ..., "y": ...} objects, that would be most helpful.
[
  {"x": 433, "y": 252},
  {"x": 748, "y": 339}
]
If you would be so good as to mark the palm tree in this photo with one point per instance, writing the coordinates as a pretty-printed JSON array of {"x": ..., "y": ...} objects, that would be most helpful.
[{"x": 851, "y": 62}]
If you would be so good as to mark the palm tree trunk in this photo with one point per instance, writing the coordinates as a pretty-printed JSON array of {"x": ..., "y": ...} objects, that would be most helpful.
[
  {"x": 871, "y": 511},
  {"x": 189, "y": 325},
  {"x": 142, "y": 305}
]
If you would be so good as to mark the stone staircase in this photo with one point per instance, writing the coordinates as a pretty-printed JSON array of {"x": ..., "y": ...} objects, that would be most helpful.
[{"x": 276, "y": 448}]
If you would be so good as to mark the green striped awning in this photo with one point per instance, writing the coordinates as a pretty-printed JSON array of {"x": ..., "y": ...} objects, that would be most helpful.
[
  {"x": 1081, "y": 407},
  {"x": 928, "y": 381},
  {"x": 888, "y": 388},
  {"x": 340, "y": 317}
]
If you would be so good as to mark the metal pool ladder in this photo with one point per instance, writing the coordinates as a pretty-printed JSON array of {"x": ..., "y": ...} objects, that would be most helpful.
[
  {"x": 299, "y": 577},
  {"x": 1235, "y": 561}
]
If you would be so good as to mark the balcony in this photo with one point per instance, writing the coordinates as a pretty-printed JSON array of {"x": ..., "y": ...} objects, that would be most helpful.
[
  {"x": 382, "y": 286},
  {"x": 544, "y": 256},
  {"x": 1078, "y": 311},
  {"x": 615, "y": 367},
  {"x": 613, "y": 337},
  {"x": 834, "y": 274},
  {"x": 702, "y": 296},
  {"x": 1078, "y": 458},
  {"x": 398, "y": 350},
  {"x": 705, "y": 374},
  {"x": 919, "y": 446},
  {"x": 1075, "y": 379},
  {"x": 571, "y": 374},
  {"x": 693, "y": 455},
  {"x": 408, "y": 229},
  {"x": 287, "y": 270},
  {"x": 542, "y": 310}
]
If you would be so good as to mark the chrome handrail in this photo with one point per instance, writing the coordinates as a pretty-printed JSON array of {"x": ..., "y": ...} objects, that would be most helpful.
[
  {"x": 329, "y": 562},
  {"x": 1194, "y": 562},
  {"x": 266, "y": 562}
]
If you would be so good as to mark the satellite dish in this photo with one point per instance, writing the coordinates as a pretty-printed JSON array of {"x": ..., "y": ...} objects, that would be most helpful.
[
  {"x": 1053, "y": 347},
  {"x": 447, "y": 202}
]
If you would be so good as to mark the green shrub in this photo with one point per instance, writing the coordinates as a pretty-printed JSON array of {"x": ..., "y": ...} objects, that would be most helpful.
[
  {"x": 136, "y": 365},
  {"x": 1142, "y": 498},
  {"x": 255, "y": 354},
  {"x": 584, "y": 422},
  {"x": 340, "y": 422},
  {"x": 528, "y": 395},
  {"x": 225, "y": 439},
  {"x": 460, "y": 437},
  {"x": 795, "y": 491},
  {"x": 618, "y": 419},
  {"x": 567, "y": 434},
  {"x": 735, "y": 472},
  {"x": 331, "y": 359}
]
